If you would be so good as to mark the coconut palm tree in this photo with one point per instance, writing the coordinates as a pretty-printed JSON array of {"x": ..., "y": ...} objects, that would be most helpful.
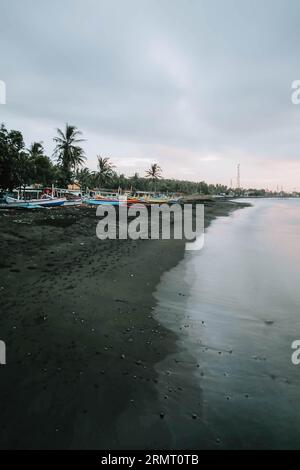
[
  {"x": 36, "y": 149},
  {"x": 41, "y": 167},
  {"x": 67, "y": 151},
  {"x": 154, "y": 173},
  {"x": 105, "y": 170},
  {"x": 84, "y": 177}
]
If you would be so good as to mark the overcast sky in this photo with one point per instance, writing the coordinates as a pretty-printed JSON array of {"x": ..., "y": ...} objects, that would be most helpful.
[{"x": 195, "y": 85}]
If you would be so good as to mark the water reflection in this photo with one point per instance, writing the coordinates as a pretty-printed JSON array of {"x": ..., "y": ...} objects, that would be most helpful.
[{"x": 235, "y": 306}]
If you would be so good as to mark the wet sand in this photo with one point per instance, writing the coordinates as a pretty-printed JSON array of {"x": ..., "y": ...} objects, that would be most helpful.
[{"x": 82, "y": 342}]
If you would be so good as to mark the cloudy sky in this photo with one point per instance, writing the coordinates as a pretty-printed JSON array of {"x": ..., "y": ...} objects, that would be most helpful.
[{"x": 196, "y": 85}]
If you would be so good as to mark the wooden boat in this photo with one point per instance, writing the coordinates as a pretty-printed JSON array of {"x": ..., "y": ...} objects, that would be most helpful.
[
  {"x": 23, "y": 205},
  {"x": 13, "y": 206},
  {"x": 151, "y": 197},
  {"x": 107, "y": 202},
  {"x": 11, "y": 201},
  {"x": 116, "y": 197},
  {"x": 112, "y": 198},
  {"x": 160, "y": 200},
  {"x": 73, "y": 202},
  {"x": 128, "y": 198},
  {"x": 43, "y": 202}
]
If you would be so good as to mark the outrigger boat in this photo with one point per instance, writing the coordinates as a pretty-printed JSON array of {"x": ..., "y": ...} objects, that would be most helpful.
[
  {"x": 160, "y": 200},
  {"x": 110, "y": 198},
  {"x": 73, "y": 202},
  {"x": 149, "y": 197},
  {"x": 46, "y": 201},
  {"x": 23, "y": 205},
  {"x": 140, "y": 198},
  {"x": 106, "y": 201},
  {"x": 130, "y": 201}
]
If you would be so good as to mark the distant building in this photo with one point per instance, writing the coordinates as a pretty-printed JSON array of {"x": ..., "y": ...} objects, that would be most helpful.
[{"x": 74, "y": 187}]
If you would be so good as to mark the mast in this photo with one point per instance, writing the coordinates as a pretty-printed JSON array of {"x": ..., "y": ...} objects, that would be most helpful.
[{"x": 238, "y": 179}]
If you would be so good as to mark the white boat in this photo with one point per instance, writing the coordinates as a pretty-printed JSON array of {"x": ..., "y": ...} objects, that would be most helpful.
[
  {"x": 15, "y": 202},
  {"x": 43, "y": 202},
  {"x": 73, "y": 202}
]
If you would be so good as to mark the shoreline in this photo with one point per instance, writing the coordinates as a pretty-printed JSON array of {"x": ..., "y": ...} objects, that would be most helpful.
[{"x": 82, "y": 342}]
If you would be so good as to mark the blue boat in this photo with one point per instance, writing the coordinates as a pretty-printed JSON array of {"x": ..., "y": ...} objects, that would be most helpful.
[{"x": 102, "y": 202}]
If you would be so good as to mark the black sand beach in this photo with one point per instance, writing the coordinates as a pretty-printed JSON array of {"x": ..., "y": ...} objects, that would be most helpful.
[{"x": 82, "y": 343}]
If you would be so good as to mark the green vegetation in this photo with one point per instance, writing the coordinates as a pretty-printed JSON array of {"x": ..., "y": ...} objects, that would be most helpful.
[
  {"x": 105, "y": 172},
  {"x": 70, "y": 156},
  {"x": 154, "y": 173},
  {"x": 21, "y": 167}
]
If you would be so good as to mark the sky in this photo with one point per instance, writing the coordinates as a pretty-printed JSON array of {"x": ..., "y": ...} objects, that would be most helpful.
[{"x": 197, "y": 86}]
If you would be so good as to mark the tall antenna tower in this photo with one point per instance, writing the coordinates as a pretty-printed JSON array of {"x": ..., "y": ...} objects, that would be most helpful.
[{"x": 238, "y": 178}]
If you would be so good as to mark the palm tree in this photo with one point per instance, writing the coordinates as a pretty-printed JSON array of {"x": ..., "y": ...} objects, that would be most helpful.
[
  {"x": 41, "y": 167},
  {"x": 67, "y": 151},
  {"x": 105, "y": 170},
  {"x": 36, "y": 149},
  {"x": 84, "y": 177},
  {"x": 135, "y": 182},
  {"x": 154, "y": 173}
]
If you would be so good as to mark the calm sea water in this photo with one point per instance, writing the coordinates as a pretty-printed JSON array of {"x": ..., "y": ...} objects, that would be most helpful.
[{"x": 236, "y": 308}]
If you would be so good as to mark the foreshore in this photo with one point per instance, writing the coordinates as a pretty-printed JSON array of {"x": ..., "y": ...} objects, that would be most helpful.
[{"x": 81, "y": 339}]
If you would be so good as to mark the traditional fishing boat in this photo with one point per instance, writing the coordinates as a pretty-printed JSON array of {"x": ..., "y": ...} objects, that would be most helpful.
[
  {"x": 115, "y": 198},
  {"x": 6, "y": 206},
  {"x": 73, "y": 202},
  {"x": 161, "y": 200},
  {"x": 110, "y": 198},
  {"x": 149, "y": 197},
  {"x": 19, "y": 205},
  {"x": 103, "y": 201},
  {"x": 46, "y": 201}
]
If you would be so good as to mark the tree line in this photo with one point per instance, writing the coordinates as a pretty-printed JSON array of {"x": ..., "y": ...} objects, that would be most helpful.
[{"x": 21, "y": 167}]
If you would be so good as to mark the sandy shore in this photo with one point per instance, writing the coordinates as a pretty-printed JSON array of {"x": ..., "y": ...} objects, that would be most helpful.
[{"x": 82, "y": 343}]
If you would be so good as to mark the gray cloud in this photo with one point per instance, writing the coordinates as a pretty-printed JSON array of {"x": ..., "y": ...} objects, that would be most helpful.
[{"x": 198, "y": 85}]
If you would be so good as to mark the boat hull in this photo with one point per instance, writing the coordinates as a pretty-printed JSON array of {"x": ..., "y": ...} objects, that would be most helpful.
[
  {"x": 160, "y": 200},
  {"x": 75, "y": 202},
  {"x": 52, "y": 203},
  {"x": 102, "y": 202},
  {"x": 35, "y": 202}
]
